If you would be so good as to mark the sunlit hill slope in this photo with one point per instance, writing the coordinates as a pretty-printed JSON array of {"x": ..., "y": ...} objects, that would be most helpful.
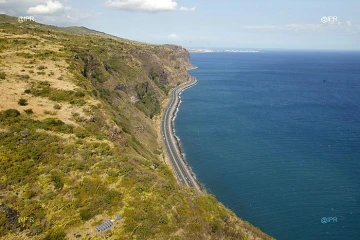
[{"x": 79, "y": 145}]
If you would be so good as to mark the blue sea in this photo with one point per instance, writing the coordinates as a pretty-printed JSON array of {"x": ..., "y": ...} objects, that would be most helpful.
[{"x": 275, "y": 136}]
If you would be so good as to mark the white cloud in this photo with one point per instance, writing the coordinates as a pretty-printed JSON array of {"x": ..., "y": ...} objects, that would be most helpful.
[
  {"x": 50, "y": 8},
  {"x": 288, "y": 27},
  {"x": 142, "y": 5},
  {"x": 66, "y": 17},
  {"x": 302, "y": 27},
  {"x": 173, "y": 36},
  {"x": 19, "y": 7},
  {"x": 260, "y": 27},
  {"x": 335, "y": 26},
  {"x": 187, "y": 9},
  {"x": 55, "y": 12}
]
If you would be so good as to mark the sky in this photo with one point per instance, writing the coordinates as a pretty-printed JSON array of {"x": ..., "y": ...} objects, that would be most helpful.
[{"x": 230, "y": 24}]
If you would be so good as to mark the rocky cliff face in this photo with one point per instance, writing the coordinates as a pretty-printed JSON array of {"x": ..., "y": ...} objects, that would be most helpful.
[
  {"x": 145, "y": 72},
  {"x": 78, "y": 140}
]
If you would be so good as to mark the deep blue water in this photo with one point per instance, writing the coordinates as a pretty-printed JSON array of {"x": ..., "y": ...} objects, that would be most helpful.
[{"x": 275, "y": 136}]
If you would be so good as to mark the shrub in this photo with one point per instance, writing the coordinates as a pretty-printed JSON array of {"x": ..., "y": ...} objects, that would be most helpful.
[
  {"x": 44, "y": 54},
  {"x": 42, "y": 67},
  {"x": 3, "y": 219},
  {"x": 94, "y": 93},
  {"x": 86, "y": 214},
  {"x": 81, "y": 133},
  {"x": 57, "y": 180},
  {"x": 57, "y": 106},
  {"x": 22, "y": 102},
  {"x": 56, "y": 125},
  {"x": 2, "y": 75},
  {"x": 50, "y": 112},
  {"x": 43, "y": 89},
  {"x": 157, "y": 152},
  {"x": 79, "y": 94},
  {"x": 28, "y": 111},
  {"x": 44, "y": 84},
  {"x": 153, "y": 74},
  {"x": 55, "y": 235},
  {"x": 23, "y": 77},
  {"x": 27, "y": 91},
  {"x": 79, "y": 102},
  {"x": 10, "y": 113},
  {"x": 24, "y": 55}
]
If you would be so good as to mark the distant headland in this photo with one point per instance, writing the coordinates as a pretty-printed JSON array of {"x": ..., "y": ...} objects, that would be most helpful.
[{"x": 200, "y": 50}]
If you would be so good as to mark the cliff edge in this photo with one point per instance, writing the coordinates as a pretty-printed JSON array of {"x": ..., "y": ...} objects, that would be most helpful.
[{"x": 79, "y": 141}]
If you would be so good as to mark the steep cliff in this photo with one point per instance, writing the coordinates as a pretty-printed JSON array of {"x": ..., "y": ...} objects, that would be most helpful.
[{"x": 79, "y": 145}]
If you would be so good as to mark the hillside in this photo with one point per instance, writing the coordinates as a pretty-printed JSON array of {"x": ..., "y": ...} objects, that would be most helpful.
[{"x": 79, "y": 140}]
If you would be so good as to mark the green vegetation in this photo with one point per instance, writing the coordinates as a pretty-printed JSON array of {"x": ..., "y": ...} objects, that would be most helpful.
[
  {"x": 43, "y": 89},
  {"x": 148, "y": 102},
  {"x": 24, "y": 55},
  {"x": 22, "y": 102},
  {"x": 72, "y": 171},
  {"x": 55, "y": 235},
  {"x": 28, "y": 111},
  {"x": 42, "y": 67},
  {"x": 2, "y": 75},
  {"x": 23, "y": 77},
  {"x": 49, "y": 112},
  {"x": 11, "y": 113},
  {"x": 155, "y": 77},
  {"x": 57, "y": 106}
]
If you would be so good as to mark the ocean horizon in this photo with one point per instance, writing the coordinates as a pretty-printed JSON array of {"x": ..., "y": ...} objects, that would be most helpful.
[{"x": 274, "y": 135}]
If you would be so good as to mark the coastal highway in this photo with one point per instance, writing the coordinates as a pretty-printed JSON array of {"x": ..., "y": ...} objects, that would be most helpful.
[{"x": 180, "y": 167}]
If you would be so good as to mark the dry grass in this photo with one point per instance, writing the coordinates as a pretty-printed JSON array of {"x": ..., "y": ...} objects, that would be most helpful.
[
  {"x": 13, "y": 87},
  {"x": 106, "y": 160}
]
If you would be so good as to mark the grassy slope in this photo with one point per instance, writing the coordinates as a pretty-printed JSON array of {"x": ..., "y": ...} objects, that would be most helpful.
[{"x": 84, "y": 146}]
